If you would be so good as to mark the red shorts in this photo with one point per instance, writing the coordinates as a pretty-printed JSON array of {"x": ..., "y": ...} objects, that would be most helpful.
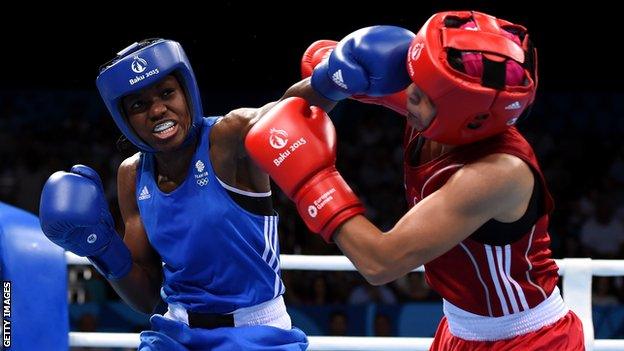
[{"x": 565, "y": 335}]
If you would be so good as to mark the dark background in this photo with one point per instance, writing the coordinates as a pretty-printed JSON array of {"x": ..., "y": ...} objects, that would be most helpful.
[{"x": 234, "y": 45}]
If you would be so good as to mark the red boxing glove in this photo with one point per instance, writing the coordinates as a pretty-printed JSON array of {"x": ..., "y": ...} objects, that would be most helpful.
[
  {"x": 320, "y": 50},
  {"x": 296, "y": 145},
  {"x": 314, "y": 54}
]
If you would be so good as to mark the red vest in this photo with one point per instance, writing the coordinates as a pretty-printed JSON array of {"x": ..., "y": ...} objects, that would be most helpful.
[{"x": 486, "y": 279}]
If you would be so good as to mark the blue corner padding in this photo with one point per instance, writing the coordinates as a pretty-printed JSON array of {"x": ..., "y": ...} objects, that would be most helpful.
[{"x": 37, "y": 271}]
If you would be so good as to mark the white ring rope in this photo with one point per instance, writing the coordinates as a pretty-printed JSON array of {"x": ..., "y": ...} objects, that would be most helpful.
[
  {"x": 317, "y": 343},
  {"x": 600, "y": 268},
  {"x": 576, "y": 291}
]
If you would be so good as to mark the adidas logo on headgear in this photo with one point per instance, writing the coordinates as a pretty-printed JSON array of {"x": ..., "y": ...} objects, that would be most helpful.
[{"x": 513, "y": 106}]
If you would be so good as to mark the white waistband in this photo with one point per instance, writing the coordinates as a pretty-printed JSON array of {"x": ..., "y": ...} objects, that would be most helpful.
[
  {"x": 470, "y": 326},
  {"x": 272, "y": 313}
]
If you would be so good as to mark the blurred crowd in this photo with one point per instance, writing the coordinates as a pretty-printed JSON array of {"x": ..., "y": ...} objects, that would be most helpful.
[{"x": 577, "y": 137}]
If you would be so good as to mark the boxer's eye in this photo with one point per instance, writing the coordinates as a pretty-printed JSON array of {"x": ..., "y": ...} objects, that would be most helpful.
[
  {"x": 136, "y": 105},
  {"x": 167, "y": 92}
]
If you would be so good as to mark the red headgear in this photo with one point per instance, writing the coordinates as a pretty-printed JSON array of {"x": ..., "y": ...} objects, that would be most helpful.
[{"x": 479, "y": 71}]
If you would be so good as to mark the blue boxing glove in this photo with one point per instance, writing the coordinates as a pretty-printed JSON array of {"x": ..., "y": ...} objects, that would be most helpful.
[
  {"x": 74, "y": 215},
  {"x": 369, "y": 61}
]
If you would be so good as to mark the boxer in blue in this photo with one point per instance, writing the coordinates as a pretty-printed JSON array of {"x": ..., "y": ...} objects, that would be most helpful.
[{"x": 200, "y": 231}]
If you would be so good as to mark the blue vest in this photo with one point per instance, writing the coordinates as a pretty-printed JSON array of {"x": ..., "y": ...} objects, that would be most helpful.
[{"x": 216, "y": 256}]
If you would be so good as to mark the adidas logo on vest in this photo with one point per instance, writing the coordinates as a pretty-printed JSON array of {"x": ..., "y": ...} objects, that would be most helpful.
[{"x": 144, "y": 195}]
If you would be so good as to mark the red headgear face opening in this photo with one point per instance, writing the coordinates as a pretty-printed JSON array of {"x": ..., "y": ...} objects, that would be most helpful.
[{"x": 479, "y": 71}]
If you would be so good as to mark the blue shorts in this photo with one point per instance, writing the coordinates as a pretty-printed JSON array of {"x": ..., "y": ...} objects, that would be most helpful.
[{"x": 169, "y": 335}]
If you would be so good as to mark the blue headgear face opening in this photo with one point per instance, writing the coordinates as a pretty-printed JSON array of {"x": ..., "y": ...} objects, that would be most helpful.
[{"x": 139, "y": 66}]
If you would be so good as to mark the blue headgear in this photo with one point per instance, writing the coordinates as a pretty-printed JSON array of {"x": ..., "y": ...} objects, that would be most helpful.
[{"x": 141, "y": 65}]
